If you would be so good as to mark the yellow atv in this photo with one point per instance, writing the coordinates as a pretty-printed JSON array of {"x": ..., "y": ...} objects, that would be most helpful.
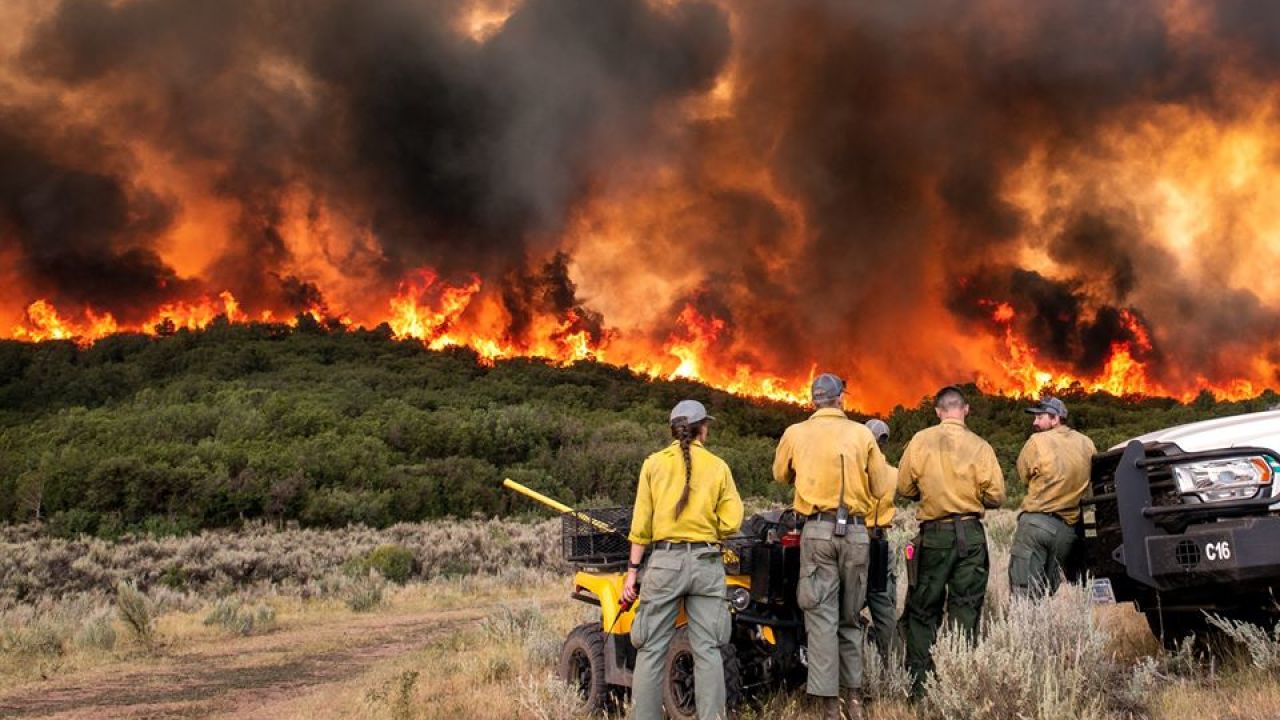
[{"x": 762, "y": 565}]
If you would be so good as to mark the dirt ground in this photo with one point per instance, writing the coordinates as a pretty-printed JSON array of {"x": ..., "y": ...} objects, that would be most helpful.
[{"x": 237, "y": 678}]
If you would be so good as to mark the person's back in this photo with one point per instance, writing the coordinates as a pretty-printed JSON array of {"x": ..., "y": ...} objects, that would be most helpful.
[
  {"x": 951, "y": 470},
  {"x": 705, "y": 517},
  {"x": 882, "y": 580},
  {"x": 686, "y": 502},
  {"x": 956, "y": 476},
  {"x": 839, "y": 473},
  {"x": 826, "y": 450},
  {"x": 1054, "y": 465}
]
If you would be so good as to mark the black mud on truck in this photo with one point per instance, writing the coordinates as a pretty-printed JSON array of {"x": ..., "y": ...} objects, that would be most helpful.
[{"x": 1186, "y": 522}]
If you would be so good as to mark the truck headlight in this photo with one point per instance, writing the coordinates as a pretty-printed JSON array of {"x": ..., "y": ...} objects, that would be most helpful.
[
  {"x": 739, "y": 598},
  {"x": 1227, "y": 479}
]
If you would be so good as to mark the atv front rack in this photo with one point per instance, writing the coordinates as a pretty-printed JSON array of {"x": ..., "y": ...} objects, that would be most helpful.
[{"x": 584, "y": 543}]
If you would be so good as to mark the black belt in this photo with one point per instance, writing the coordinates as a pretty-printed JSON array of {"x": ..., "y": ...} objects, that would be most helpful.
[
  {"x": 948, "y": 520},
  {"x": 962, "y": 541},
  {"x": 682, "y": 545},
  {"x": 828, "y": 516}
]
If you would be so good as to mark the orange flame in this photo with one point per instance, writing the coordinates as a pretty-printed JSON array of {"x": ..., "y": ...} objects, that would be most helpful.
[{"x": 442, "y": 315}]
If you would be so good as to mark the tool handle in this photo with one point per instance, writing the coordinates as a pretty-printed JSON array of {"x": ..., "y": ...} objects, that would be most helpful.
[
  {"x": 624, "y": 605},
  {"x": 558, "y": 506}
]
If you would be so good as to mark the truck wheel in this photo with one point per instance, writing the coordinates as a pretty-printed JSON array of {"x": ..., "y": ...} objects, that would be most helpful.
[
  {"x": 678, "y": 690},
  {"x": 1171, "y": 627},
  {"x": 582, "y": 665}
]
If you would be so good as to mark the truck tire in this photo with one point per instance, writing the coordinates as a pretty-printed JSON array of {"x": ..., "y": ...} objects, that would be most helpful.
[
  {"x": 582, "y": 665},
  {"x": 677, "y": 687},
  {"x": 1171, "y": 627}
]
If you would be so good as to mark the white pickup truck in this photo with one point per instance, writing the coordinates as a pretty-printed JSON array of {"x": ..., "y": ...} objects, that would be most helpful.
[{"x": 1186, "y": 521}]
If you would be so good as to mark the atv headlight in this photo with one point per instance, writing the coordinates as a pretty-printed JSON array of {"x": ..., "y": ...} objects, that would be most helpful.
[
  {"x": 1227, "y": 479},
  {"x": 739, "y": 598}
]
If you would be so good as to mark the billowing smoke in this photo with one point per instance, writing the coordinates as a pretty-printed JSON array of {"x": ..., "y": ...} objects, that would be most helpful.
[
  {"x": 466, "y": 156},
  {"x": 852, "y": 186}
]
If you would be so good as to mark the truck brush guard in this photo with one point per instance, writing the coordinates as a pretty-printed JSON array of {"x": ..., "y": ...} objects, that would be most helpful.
[{"x": 1169, "y": 537}]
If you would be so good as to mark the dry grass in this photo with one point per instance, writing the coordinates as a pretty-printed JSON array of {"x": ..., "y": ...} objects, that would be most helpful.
[
  {"x": 33, "y": 568},
  {"x": 1062, "y": 658}
]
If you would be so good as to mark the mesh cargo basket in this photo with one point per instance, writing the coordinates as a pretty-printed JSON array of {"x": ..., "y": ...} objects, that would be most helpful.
[{"x": 584, "y": 543}]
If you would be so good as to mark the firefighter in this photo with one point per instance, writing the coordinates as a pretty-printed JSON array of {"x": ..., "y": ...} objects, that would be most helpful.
[
  {"x": 883, "y": 603},
  {"x": 1054, "y": 466},
  {"x": 955, "y": 475},
  {"x": 838, "y": 472},
  {"x": 686, "y": 502}
]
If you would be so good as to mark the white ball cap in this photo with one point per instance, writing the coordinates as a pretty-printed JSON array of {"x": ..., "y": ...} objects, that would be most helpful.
[
  {"x": 691, "y": 410},
  {"x": 878, "y": 428}
]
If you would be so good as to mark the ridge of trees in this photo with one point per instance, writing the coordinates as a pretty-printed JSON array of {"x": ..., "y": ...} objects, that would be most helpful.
[{"x": 326, "y": 426}]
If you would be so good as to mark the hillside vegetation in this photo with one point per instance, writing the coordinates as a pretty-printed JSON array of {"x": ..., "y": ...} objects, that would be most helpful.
[{"x": 324, "y": 426}]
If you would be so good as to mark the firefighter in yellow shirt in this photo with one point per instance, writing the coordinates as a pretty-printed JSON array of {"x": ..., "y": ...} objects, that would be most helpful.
[
  {"x": 1054, "y": 465},
  {"x": 956, "y": 476},
  {"x": 882, "y": 600},
  {"x": 686, "y": 502},
  {"x": 839, "y": 473}
]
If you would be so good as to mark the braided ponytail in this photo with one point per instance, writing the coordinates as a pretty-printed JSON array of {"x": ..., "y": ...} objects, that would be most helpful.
[{"x": 685, "y": 432}]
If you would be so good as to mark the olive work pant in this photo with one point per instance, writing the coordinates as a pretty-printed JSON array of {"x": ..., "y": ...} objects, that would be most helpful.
[
  {"x": 831, "y": 592},
  {"x": 948, "y": 573},
  {"x": 694, "y": 578},
  {"x": 1040, "y": 549},
  {"x": 883, "y": 607}
]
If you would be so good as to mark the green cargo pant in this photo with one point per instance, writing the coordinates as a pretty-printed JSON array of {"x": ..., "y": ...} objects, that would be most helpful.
[
  {"x": 831, "y": 592},
  {"x": 693, "y": 577},
  {"x": 948, "y": 573},
  {"x": 1040, "y": 549},
  {"x": 883, "y": 607}
]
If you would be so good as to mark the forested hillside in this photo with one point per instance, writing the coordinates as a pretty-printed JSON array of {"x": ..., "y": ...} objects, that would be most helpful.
[{"x": 326, "y": 426}]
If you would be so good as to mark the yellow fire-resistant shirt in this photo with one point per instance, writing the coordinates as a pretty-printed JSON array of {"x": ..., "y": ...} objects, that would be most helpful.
[
  {"x": 951, "y": 470},
  {"x": 1055, "y": 466},
  {"x": 714, "y": 510},
  {"x": 810, "y": 453},
  {"x": 882, "y": 514}
]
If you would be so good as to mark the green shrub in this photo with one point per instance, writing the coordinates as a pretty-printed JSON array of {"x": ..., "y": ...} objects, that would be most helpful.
[
  {"x": 365, "y": 594},
  {"x": 1263, "y": 647},
  {"x": 174, "y": 577},
  {"x": 134, "y": 611},
  {"x": 394, "y": 562},
  {"x": 43, "y": 637},
  {"x": 232, "y": 615},
  {"x": 97, "y": 632},
  {"x": 1043, "y": 659}
]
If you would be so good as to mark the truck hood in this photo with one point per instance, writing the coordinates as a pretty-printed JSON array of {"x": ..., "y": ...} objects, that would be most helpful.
[{"x": 1260, "y": 429}]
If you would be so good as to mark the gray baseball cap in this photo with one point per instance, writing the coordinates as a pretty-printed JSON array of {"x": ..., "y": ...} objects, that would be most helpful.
[
  {"x": 826, "y": 387},
  {"x": 691, "y": 410},
  {"x": 878, "y": 428},
  {"x": 1049, "y": 405}
]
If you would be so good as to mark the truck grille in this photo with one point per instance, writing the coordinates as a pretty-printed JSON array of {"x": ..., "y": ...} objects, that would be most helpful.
[{"x": 1102, "y": 513}]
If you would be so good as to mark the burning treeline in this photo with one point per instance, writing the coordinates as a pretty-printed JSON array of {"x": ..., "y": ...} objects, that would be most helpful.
[{"x": 911, "y": 193}]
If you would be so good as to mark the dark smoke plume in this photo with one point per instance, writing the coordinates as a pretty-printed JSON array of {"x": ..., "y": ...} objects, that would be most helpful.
[{"x": 850, "y": 199}]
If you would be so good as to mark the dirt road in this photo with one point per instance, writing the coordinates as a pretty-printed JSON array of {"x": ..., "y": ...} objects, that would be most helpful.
[{"x": 235, "y": 678}]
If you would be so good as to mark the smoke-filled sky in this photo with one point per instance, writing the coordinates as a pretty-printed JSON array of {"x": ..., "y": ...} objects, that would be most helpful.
[{"x": 852, "y": 186}]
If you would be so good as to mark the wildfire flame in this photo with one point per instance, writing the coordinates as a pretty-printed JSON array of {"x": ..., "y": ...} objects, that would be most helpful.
[
  {"x": 1102, "y": 171},
  {"x": 443, "y": 315}
]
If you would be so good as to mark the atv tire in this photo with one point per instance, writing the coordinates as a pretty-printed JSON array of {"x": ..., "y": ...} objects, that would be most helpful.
[
  {"x": 582, "y": 665},
  {"x": 677, "y": 686}
]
